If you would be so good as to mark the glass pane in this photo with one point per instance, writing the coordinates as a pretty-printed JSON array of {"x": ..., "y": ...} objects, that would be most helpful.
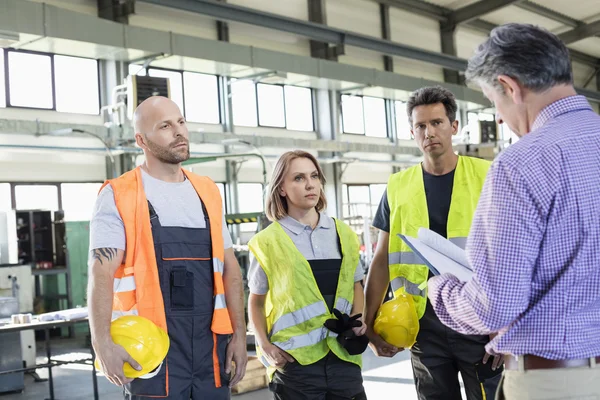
[
  {"x": 221, "y": 187},
  {"x": 2, "y": 80},
  {"x": 344, "y": 193},
  {"x": 402, "y": 123},
  {"x": 76, "y": 82},
  {"x": 298, "y": 108},
  {"x": 136, "y": 69},
  {"x": 352, "y": 114},
  {"x": 201, "y": 98},
  {"x": 376, "y": 193},
  {"x": 271, "y": 111},
  {"x": 5, "y": 204},
  {"x": 375, "y": 117},
  {"x": 175, "y": 84},
  {"x": 251, "y": 193},
  {"x": 30, "y": 80},
  {"x": 36, "y": 197},
  {"x": 78, "y": 200},
  {"x": 243, "y": 96},
  {"x": 359, "y": 194},
  {"x": 474, "y": 131}
]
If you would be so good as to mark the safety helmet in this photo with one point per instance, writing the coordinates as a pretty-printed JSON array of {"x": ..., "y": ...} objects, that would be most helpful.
[
  {"x": 397, "y": 322},
  {"x": 143, "y": 340}
]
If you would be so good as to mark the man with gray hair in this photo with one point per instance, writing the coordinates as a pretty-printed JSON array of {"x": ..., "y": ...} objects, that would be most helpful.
[{"x": 535, "y": 237}]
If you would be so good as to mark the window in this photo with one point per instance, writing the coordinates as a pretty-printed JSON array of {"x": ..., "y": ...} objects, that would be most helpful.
[
  {"x": 243, "y": 94},
  {"x": 298, "y": 109},
  {"x": 2, "y": 88},
  {"x": 402, "y": 123},
  {"x": 359, "y": 200},
  {"x": 30, "y": 80},
  {"x": 36, "y": 197},
  {"x": 252, "y": 195},
  {"x": 5, "y": 200},
  {"x": 375, "y": 121},
  {"x": 221, "y": 187},
  {"x": 376, "y": 195},
  {"x": 507, "y": 136},
  {"x": 135, "y": 69},
  {"x": 474, "y": 120},
  {"x": 352, "y": 114},
  {"x": 175, "y": 84},
  {"x": 78, "y": 200},
  {"x": 362, "y": 200},
  {"x": 271, "y": 107},
  {"x": 364, "y": 116},
  {"x": 201, "y": 98},
  {"x": 76, "y": 82}
]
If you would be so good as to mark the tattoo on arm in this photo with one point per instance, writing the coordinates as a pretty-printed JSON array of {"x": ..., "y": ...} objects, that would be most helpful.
[{"x": 106, "y": 254}]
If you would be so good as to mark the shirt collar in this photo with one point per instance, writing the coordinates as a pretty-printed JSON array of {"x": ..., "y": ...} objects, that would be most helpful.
[
  {"x": 559, "y": 107},
  {"x": 297, "y": 227}
]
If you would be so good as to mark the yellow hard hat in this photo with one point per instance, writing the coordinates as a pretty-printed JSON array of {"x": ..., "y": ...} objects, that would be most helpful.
[
  {"x": 145, "y": 342},
  {"x": 397, "y": 322}
]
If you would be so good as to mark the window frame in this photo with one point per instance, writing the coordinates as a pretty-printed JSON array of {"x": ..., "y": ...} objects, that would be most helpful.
[
  {"x": 217, "y": 77},
  {"x": 7, "y": 51},
  {"x": 362, "y": 101},
  {"x": 285, "y": 127}
]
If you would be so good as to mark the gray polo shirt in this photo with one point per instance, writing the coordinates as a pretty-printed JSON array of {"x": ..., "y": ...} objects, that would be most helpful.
[{"x": 318, "y": 244}]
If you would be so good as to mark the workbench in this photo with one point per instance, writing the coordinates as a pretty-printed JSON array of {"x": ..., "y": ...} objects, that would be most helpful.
[{"x": 46, "y": 326}]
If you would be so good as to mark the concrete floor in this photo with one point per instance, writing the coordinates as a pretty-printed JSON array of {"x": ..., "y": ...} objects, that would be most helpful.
[{"x": 74, "y": 382}]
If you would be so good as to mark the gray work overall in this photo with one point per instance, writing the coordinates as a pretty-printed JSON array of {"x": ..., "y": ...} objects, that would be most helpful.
[{"x": 184, "y": 260}]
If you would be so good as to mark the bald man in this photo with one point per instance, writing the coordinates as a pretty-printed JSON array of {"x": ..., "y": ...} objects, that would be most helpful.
[{"x": 160, "y": 249}]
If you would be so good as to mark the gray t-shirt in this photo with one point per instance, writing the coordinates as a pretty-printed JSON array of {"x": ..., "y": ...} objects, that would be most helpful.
[
  {"x": 318, "y": 244},
  {"x": 175, "y": 203}
]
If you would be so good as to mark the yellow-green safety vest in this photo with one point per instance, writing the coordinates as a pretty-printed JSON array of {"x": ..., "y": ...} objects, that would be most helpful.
[
  {"x": 408, "y": 213},
  {"x": 295, "y": 308}
]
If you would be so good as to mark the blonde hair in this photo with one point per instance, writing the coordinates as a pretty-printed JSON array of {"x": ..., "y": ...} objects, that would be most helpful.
[{"x": 276, "y": 206}]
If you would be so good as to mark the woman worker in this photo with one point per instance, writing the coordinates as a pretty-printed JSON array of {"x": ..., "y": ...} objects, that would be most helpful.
[{"x": 304, "y": 275}]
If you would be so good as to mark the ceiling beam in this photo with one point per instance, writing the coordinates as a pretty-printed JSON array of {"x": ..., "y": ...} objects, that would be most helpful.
[
  {"x": 230, "y": 12},
  {"x": 318, "y": 32},
  {"x": 581, "y": 32},
  {"x": 548, "y": 13},
  {"x": 418, "y": 7},
  {"x": 476, "y": 10}
]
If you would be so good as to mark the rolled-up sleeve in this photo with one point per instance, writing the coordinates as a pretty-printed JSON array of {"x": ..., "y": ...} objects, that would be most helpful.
[{"x": 502, "y": 248}]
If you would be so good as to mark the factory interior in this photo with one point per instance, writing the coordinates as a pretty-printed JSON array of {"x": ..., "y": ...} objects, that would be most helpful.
[{"x": 253, "y": 78}]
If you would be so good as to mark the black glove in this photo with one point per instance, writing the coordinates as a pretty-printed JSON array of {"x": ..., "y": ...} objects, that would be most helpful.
[{"x": 346, "y": 337}]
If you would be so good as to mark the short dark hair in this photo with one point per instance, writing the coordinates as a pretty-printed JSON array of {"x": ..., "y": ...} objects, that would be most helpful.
[
  {"x": 432, "y": 95},
  {"x": 534, "y": 56}
]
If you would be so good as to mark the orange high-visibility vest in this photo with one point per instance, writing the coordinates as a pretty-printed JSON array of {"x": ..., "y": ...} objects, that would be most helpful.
[{"x": 137, "y": 286}]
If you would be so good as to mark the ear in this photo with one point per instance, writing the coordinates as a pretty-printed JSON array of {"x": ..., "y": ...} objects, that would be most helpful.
[
  {"x": 139, "y": 140},
  {"x": 412, "y": 134},
  {"x": 455, "y": 127},
  {"x": 282, "y": 192},
  {"x": 512, "y": 88}
]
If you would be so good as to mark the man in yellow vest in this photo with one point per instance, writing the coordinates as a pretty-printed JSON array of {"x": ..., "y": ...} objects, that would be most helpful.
[
  {"x": 441, "y": 194},
  {"x": 160, "y": 249}
]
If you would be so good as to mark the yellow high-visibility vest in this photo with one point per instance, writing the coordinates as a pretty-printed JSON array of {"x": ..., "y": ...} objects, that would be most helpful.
[
  {"x": 295, "y": 308},
  {"x": 408, "y": 213}
]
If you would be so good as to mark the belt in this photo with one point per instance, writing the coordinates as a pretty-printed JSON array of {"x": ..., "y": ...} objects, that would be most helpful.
[{"x": 535, "y": 362}]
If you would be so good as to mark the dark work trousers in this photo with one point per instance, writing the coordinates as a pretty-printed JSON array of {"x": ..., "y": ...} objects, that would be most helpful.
[
  {"x": 184, "y": 258},
  {"x": 440, "y": 354},
  {"x": 330, "y": 378}
]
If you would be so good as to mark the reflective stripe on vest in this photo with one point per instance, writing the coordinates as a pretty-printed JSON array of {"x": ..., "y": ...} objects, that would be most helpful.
[
  {"x": 295, "y": 308},
  {"x": 408, "y": 212}
]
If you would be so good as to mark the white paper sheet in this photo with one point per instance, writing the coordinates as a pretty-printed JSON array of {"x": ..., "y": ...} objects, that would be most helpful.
[{"x": 439, "y": 254}]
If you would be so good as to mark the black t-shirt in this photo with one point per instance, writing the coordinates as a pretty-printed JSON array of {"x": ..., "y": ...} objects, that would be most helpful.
[{"x": 438, "y": 191}]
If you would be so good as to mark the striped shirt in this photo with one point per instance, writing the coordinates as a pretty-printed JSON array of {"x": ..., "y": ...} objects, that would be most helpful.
[{"x": 535, "y": 243}]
